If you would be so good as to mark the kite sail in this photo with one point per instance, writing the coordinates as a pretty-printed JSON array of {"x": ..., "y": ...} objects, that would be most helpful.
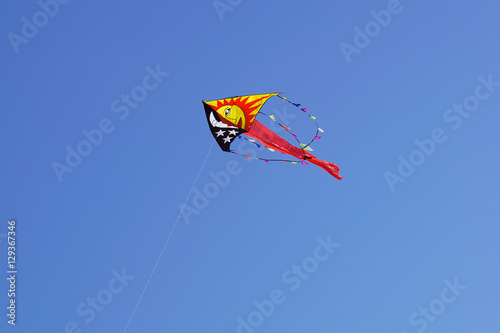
[{"x": 231, "y": 117}]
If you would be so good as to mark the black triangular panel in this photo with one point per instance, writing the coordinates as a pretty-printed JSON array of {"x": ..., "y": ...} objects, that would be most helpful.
[{"x": 223, "y": 133}]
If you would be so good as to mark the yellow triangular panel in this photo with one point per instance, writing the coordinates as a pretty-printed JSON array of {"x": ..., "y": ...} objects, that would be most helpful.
[{"x": 240, "y": 111}]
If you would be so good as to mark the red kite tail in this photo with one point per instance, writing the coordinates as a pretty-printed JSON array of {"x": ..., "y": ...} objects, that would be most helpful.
[{"x": 271, "y": 140}]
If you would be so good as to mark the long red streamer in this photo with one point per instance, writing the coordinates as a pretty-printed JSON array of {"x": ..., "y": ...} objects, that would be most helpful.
[{"x": 271, "y": 140}]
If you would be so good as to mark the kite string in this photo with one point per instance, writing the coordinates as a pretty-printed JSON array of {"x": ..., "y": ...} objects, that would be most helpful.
[{"x": 168, "y": 238}]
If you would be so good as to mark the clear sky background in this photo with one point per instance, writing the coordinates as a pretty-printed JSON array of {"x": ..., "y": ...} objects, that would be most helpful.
[{"x": 415, "y": 249}]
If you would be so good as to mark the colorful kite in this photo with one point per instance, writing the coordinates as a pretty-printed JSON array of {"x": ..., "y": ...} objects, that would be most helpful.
[{"x": 231, "y": 117}]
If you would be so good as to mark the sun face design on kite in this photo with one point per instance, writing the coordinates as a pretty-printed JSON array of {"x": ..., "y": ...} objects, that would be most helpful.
[
  {"x": 231, "y": 117},
  {"x": 233, "y": 114},
  {"x": 239, "y": 111}
]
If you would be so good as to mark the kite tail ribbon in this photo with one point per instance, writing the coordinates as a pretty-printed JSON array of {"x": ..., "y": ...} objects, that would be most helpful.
[{"x": 271, "y": 140}]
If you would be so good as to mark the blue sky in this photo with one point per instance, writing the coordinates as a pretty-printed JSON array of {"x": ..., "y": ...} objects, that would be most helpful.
[{"x": 407, "y": 92}]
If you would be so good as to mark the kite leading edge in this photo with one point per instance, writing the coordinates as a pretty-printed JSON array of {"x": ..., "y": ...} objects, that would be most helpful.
[{"x": 231, "y": 117}]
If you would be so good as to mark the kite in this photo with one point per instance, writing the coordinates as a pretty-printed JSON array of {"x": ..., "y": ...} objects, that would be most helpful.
[{"x": 231, "y": 117}]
